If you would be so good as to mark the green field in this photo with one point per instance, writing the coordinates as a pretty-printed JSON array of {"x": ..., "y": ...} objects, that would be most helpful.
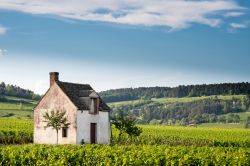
[
  {"x": 243, "y": 115},
  {"x": 177, "y": 135},
  {"x": 17, "y": 108},
  {"x": 14, "y": 131},
  {"x": 181, "y": 100},
  {"x": 122, "y": 155},
  {"x": 22, "y": 108},
  {"x": 191, "y": 99},
  {"x": 206, "y": 144},
  {"x": 152, "y": 135},
  {"x": 221, "y": 125},
  {"x": 157, "y": 145}
]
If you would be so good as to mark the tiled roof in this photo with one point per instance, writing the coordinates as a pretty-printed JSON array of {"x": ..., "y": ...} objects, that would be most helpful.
[{"x": 76, "y": 91}]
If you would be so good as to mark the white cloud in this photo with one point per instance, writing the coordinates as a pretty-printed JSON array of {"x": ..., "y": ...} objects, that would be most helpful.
[
  {"x": 174, "y": 14},
  {"x": 3, "y": 30},
  {"x": 233, "y": 14},
  {"x": 2, "y": 52},
  {"x": 234, "y": 27},
  {"x": 238, "y": 25}
]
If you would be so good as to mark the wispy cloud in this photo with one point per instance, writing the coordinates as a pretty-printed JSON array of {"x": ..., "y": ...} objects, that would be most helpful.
[
  {"x": 174, "y": 14},
  {"x": 238, "y": 25},
  {"x": 233, "y": 14},
  {"x": 3, "y": 30},
  {"x": 234, "y": 27},
  {"x": 2, "y": 52}
]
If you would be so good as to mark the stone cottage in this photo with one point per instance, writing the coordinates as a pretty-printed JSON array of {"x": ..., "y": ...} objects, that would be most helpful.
[{"x": 88, "y": 115}]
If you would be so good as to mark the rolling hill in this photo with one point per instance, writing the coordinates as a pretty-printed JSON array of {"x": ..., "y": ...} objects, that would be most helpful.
[
  {"x": 149, "y": 107},
  {"x": 13, "y": 107}
]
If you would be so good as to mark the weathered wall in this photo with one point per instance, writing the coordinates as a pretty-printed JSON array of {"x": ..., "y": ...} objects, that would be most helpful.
[
  {"x": 54, "y": 99},
  {"x": 84, "y": 119}
]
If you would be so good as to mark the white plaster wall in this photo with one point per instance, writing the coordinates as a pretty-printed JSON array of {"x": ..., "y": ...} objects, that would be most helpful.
[
  {"x": 84, "y": 119},
  {"x": 55, "y": 99},
  {"x": 48, "y": 135}
]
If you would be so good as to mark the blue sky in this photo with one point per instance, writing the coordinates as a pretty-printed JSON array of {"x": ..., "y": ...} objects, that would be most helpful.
[{"x": 115, "y": 44}]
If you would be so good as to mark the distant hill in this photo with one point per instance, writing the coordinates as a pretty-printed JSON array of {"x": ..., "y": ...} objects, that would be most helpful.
[
  {"x": 183, "y": 105},
  {"x": 188, "y": 110},
  {"x": 16, "y": 108},
  {"x": 127, "y": 94},
  {"x": 16, "y": 91}
]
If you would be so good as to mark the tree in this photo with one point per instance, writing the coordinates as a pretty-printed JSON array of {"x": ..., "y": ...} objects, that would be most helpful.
[
  {"x": 246, "y": 101},
  {"x": 222, "y": 119},
  {"x": 184, "y": 122},
  {"x": 236, "y": 118},
  {"x": 56, "y": 120},
  {"x": 247, "y": 124},
  {"x": 230, "y": 118},
  {"x": 126, "y": 125}
]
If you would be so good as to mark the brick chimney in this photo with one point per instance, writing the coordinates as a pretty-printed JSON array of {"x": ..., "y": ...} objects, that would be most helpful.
[{"x": 54, "y": 77}]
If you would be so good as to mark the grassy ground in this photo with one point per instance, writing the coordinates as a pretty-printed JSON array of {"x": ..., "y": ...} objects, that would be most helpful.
[
  {"x": 191, "y": 99},
  {"x": 17, "y": 108},
  {"x": 221, "y": 125},
  {"x": 181, "y": 100}
]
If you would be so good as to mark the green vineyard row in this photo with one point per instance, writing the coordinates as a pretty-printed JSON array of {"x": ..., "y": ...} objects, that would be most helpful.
[
  {"x": 21, "y": 131},
  {"x": 122, "y": 155}
]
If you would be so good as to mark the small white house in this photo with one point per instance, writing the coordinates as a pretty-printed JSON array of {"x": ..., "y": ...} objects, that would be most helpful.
[{"x": 88, "y": 115}]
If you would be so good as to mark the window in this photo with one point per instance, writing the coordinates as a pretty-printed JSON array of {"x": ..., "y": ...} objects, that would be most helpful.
[
  {"x": 94, "y": 106},
  {"x": 64, "y": 132}
]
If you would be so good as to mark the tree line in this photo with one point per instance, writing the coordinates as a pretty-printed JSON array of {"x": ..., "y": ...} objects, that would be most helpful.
[
  {"x": 208, "y": 110},
  {"x": 127, "y": 94},
  {"x": 16, "y": 91}
]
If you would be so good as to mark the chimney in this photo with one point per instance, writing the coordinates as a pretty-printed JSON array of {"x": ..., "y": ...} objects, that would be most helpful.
[{"x": 54, "y": 77}]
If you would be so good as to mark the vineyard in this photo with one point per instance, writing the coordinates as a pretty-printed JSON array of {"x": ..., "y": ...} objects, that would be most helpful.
[
  {"x": 122, "y": 155},
  {"x": 157, "y": 145},
  {"x": 15, "y": 131},
  {"x": 21, "y": 131},
  {"x": 187, "y": 136}
]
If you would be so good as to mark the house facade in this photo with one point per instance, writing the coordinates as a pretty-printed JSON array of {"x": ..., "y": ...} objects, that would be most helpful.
[{"x": 88, "y": 115}]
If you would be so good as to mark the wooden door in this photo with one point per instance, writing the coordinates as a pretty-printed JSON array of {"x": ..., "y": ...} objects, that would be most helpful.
[{"x": 93, "y": 133}]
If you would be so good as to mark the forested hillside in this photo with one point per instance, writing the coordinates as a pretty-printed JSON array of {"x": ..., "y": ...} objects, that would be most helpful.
[
  {"x": 16, "y": 91},
  {"x": 127, "y": 94},
  {"x": 182, "y": 105},
  {"x": 184, "y": 111}
]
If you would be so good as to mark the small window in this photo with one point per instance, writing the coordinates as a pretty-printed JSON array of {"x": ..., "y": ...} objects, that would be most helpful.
[
  {"x": 95, "y": 106},
  {"x": 64, "y": 132}
]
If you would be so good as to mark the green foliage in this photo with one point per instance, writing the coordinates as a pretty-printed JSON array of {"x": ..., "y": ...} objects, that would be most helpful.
[
  {"x": 247, "y": 101},
  {"x": 56, "y": 120},
  {"x": 21, "y": 106},
  {"x": 12, "y": 90},
  {"x": 221, "y": 125},
  {"x": 2, "y": 98},
  {"x": 126, "y": 125},
  {"x": 247, "y": 124},
  {"x": 127, "y": 94},
  {"x": 233, "y": 118},
  {"x": 16, "y": 131},
  {"x": 187, "y": 136},
  {"x": 21, "y": 131},
  {"x": 16, "y": 108},
  {"x": 121, "y": 155},
  {"x": 184, "y": 111}
]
